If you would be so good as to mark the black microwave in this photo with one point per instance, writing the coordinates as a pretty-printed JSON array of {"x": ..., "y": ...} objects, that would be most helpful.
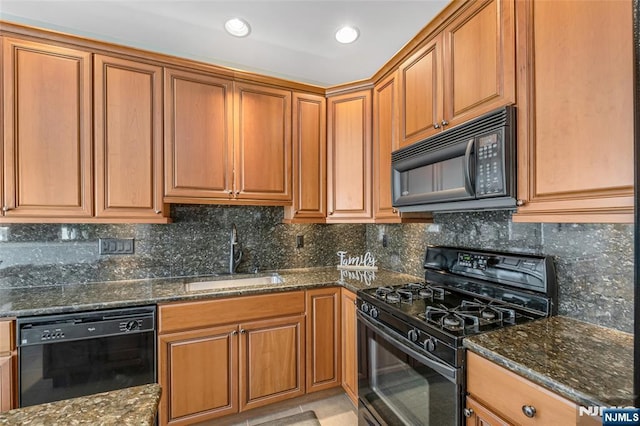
[{"x": 468, "y": 167}]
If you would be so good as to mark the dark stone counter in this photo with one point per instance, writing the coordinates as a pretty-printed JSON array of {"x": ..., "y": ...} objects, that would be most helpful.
[
  {"x": 136, "y": 406},
  {"x": 30, "y": 301},
  {"x": 585, "y": 363}
]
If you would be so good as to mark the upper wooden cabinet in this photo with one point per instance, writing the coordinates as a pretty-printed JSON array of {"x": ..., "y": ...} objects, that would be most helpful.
[
  {"x": 198, "y": 134},
  {"x": 47, "y": 155},
  {"x": 226, "y": 142},
  {"x": 309, "y": 160},
  {"x": 128, "y": 138},
  {"x": 262, "y": 149},
  {"x": 575, "y": 111},
  {"x": 385, "y": 140},
  {"x": 349, "y": 157},
  {"x": 459, "y": 73}
]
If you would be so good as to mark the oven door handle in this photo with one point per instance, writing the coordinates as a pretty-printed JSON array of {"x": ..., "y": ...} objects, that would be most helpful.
[{"x": 393, "y": 338}]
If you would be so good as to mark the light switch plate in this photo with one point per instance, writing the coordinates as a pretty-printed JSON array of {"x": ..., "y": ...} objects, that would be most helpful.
[{"x": 116, "y": 245}]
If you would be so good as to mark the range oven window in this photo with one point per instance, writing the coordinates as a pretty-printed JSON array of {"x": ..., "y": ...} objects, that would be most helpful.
[{"x": 398, "y": 388}]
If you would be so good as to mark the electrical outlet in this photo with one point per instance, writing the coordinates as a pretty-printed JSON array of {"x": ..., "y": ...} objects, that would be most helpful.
[
  {"x": 116, "y": 245},
  {"x": 385, "y": 240},
  {"x": 299, "y": 241}
]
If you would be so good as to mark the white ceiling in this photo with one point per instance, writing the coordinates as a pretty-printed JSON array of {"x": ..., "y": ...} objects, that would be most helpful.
[{"x": 291, "y": 39}]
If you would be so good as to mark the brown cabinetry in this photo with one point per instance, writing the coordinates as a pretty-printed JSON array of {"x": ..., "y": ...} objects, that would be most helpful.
[
  {"x": 8, "y": 363},
  {"x": 575, "y": 111},
  {"x": 500, "y": 397},
  {"x": 198, "y": 135},
  {"x": 349, "y": 345},
  {"x": 323, "y": 338},
  {"x": 47, "y": 150},
  {"x": 349, "y": 157},
  {"x": 221, "y": 356},
  {"x": 460, "y": 72},
  {"x": 309, "y": 160},
  {"x": 262, "y": 148},
  {"x": 128, "y": 138}
]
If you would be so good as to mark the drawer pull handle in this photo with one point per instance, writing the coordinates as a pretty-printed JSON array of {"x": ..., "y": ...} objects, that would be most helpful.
[
  {"x": 529, "y": 411},
  {"x": 468, "y": 412}
]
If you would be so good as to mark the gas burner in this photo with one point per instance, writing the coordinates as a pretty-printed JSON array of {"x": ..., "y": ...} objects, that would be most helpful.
[
  {"x": 488, "y": 315},
  {"x": 382, "y": 292},
  {"x": 452, "y": 319},
  {"x": 432, "y": 293},
  {"x": 489, "y": 311},
  {"x": 392, "y": 297}
]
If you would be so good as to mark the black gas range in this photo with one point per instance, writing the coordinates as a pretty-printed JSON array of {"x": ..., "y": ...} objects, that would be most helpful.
[{"x": 465, "y": 292}]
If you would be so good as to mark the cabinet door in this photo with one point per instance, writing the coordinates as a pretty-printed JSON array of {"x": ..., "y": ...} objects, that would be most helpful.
[
  {"x": 262, "y": 143},
  {"x": 349, "y": 345},
  {"x": 420, "y": 84},
  {"x": 323, "y": 339},
  {"x": 198, "y": 374},
  {"x": 479, "y": 415},
  {"x": 349, "y": 158},
  {"x": 479, "y": 48},
  {"x": 6, "y": 382},
  {"x": 198, "y": 136},
  {"x": 47, "y": 131},
  {"x": 575, "y": 112},
  {"x": 128, "y": 138},
  {"x": 309, "y": 160},
  {"x": 385, "y": 140},
  {"x": 272, "y": 361}
]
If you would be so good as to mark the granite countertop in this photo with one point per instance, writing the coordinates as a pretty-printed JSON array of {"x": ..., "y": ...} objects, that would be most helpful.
[
  {"x": 29, "y": 301},
  {"x": 588, "y": 364},
  {"x": 136, "y": 406}
]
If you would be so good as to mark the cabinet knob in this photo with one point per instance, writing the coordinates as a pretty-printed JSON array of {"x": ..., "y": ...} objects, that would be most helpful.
[
  {"x": 330, "y": 213},
  {"x": 445, "y": 123},
  {"x": 234, "y": 332},
  {"x": 243, "y": 331},
  {"x": 468, "y": 412},
  {"x": 520, "y": 203},
  {"x": 529, "y": 410},
  {"x": 158, "y": 211},
  {"x": 394, "y": 211},
  {"x": 6, "y": 208},
  {"x": 230, "y": 192},
  {"x": 237, "y": 193},
  {"x": 436, "y": 126}
]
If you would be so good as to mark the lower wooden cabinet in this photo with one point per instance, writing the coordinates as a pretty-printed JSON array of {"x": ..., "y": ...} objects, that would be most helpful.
[
  {"x": 8, "y": 363},
  {"x": 222, "y": 356},
  {"x": 323, "y": 339},
  {"x": 349, "y": 345},
  {"x": 497, "y": 396}
]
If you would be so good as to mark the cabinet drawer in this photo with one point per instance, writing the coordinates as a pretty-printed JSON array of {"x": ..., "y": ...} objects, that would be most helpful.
[
  {"x": 7, "y": 337},
  {"x": 506, "y": 393},
  {"x": 190, "y": 315}
]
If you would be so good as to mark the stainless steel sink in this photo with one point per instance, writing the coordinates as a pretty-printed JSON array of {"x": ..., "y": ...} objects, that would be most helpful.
[{"x": 234, "y": 282}]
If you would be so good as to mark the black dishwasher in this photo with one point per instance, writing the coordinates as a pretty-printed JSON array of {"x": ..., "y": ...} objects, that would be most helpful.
[{"x": 70, "y": 355}]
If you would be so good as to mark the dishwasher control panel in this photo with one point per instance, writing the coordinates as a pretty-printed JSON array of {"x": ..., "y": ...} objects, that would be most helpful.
[{"x": 87, "y": 325}]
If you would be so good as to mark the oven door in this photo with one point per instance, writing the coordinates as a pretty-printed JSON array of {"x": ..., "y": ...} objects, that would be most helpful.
[{"x": 401, "y": 386}]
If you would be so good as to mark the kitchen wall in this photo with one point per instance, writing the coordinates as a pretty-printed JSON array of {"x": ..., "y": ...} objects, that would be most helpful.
[
  {"x": 594, "y": 262},
  {"x": 196, "y": 243}
]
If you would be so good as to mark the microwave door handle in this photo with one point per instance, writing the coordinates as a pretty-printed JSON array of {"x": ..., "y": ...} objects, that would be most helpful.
[{"x": 468, "y": 184}]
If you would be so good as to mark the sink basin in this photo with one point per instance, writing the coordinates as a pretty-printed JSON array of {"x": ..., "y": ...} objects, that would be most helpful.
[{"x": 234, "y": 282}]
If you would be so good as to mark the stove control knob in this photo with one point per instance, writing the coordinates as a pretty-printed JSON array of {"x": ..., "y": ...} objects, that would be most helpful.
[
  {"x": 364, "y": 307},
  {"x": 373, "y": 312},
  {"x": 413, "y": 335},
  {"x": 430, "y": 344}
]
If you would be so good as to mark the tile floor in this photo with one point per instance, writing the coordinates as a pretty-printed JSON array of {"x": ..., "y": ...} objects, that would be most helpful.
[{"x": 332, "y": 407}]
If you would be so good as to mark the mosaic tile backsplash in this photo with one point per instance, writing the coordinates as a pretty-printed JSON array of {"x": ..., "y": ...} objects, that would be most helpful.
[{"x": 594, "y": 262}]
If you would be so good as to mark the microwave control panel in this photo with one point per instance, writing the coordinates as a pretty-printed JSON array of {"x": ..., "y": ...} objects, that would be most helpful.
[{"x": 489, "y": 166}]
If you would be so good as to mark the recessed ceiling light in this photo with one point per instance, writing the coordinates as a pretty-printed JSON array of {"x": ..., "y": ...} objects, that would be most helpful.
[
  {"x": 347, "y": 34},
  {"x": 237, "y": 27}
]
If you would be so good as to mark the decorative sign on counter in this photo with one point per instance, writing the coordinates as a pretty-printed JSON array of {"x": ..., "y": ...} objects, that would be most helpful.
[{"x": 365, "y": 262}]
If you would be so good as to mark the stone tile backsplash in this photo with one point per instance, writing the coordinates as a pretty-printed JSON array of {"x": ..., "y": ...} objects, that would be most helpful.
[{"x": 594, "y": 262}]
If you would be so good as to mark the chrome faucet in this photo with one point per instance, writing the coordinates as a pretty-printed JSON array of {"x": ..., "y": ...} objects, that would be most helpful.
[{"x": 235, "y": 250}]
